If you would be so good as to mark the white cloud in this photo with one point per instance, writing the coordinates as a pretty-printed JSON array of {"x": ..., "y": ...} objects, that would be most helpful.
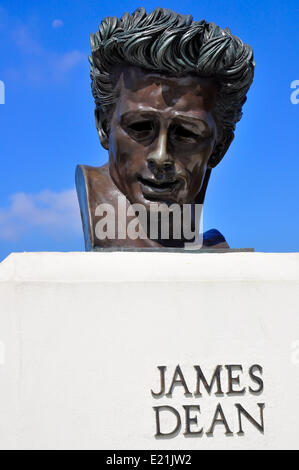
[
  {"x": 57, "y": 23},
  {"x": 56, "y": 213},
  {"x": 25, "y": 42},
  {"x": 64, "y": 63},
  {"x": 41, "y": 65}
]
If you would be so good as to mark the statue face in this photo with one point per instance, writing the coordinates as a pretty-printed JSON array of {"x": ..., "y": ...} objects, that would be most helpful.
[{"x": 162, "y": 133}]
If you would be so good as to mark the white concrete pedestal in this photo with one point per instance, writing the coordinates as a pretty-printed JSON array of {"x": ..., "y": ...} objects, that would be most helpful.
[{"x": 82, "y": 336}]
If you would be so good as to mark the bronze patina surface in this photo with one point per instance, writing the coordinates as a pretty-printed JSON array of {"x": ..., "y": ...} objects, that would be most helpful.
[{"x": 168, "y": 93}]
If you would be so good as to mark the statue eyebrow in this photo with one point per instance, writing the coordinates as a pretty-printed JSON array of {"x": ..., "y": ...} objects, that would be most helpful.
[
  {"x": 192, "y": 120},
  {"x": 140, "y": 113},
  {"x": 153, "y": 113}
]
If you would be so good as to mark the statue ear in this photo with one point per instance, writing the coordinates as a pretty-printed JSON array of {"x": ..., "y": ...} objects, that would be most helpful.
[
  {"x": 101, "y": 123},
  {"x": 220, "y": 149}
]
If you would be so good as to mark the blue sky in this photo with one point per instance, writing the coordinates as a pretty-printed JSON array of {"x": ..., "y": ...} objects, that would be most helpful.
[{"x": 47, "y": 125}]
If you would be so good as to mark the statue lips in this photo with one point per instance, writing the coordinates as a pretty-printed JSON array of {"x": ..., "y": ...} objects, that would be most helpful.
[{"x": 156, "y": 188}]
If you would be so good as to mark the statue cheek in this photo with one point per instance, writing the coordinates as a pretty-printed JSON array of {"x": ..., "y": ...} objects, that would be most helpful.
[
  {"x": 196, "y": 165},
  {"x": 197, "y": 176},
  {"x": 116, "y": 148}
]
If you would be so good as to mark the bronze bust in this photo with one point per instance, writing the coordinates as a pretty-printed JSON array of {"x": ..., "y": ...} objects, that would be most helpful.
[{"x": 168, "y": 92}]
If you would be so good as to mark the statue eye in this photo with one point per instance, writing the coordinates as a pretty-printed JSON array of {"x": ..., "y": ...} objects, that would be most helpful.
[
  {"x": 182, "y": 133},
  {"x": 141, "y": 127}
]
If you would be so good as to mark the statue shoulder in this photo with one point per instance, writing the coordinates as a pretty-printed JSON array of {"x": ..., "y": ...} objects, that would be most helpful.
[
  {"x": 88, "y": 180},
  {"x": 214, "y": 239},
  {"x": 88, "y": 174}
]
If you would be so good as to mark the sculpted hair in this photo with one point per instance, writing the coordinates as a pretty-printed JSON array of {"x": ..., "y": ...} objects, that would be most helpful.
[{"x": 169, "y": 43}]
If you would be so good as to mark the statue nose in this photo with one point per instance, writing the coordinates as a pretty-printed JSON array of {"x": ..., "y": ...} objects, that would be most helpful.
[
  {"x": 159, "y": 161},
  {"x": 160, "y": 166}
]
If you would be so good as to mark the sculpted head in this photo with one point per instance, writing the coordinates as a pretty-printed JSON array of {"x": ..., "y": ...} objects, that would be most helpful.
[{"x": 168, "y": 92}]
